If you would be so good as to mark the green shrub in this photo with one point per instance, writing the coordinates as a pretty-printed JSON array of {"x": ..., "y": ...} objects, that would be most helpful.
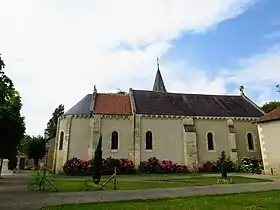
[
  {"x": 228, "y": 165},
  {"x": 251, "y": 165}
]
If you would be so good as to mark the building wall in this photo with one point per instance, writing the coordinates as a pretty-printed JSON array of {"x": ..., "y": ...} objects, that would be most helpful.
[
  {"x": 269, "y": 133},
  {"x": 79, "y": 138},
  {"x": 219, "y": 130},
  {"x": 242, "y": 129},
  {"x": 167, "y": 139},
  {"x": 123, "y": 125},
  {"x": 170, "y": 140}
]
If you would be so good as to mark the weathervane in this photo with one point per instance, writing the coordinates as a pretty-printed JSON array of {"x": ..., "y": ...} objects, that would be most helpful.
[
  {"x": 158, "y": 63},
  {"x": 241, "y": 89},
  {"x": 278, "y": 88}
]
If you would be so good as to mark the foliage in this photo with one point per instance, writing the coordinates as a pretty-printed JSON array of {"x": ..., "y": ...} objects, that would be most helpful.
[
  {"x": 269, "y": 106},
  {"x": 97, "y": 163},
  {"x": 224, "y": 163},
  {"x": 225, "y": 181},
  {"x": 251, "y": 165},
  {"x": 50, "y": 131},
  {"x": 154, "y": 165},
  {"x": 120, "y": 91},
  {"x": 12, "y": 126},
  {"x": 88, "y": 187},
  {"x": 208, "y": 167},
  {"x": 77, "y": 167},
  {"x": 35, "y": 148}
]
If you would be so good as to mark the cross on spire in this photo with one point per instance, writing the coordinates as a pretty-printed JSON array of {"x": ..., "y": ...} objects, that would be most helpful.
[{"x": 158, "y": 83}]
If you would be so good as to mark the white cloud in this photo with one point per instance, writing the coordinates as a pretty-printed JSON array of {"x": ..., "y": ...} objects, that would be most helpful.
[{"x": 55, "y": 51}]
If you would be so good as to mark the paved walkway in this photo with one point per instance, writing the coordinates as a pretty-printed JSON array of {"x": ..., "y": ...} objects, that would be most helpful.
[
  {"x": 30, "y": 201},
  {"x": 14, "y": 194}
]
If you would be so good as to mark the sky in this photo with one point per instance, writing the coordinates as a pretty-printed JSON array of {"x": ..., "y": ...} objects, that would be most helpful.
[{"x": 55, "y": 51}]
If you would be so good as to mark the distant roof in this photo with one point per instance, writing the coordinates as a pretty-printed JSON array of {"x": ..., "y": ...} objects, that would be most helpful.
[
  {"x": 112, "y": 104},
  {"x": 82, "y": 107},
  {"x": 164, "y": 103},
  {"x": 271, "y": 116}
]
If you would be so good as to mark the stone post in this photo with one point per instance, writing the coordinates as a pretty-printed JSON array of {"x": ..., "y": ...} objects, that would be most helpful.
[
  {"x": 137, "y": 139},
  {"x": 5, "y": 168},
  {"x": 95, "y": 123},
  {"x": 232, "y": 142},
  {"x": 190, "y": 144}
]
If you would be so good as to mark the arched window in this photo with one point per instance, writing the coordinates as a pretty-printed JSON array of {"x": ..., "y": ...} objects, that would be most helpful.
[
  {"x": 61, "y": 138},
  {"x": 149, "y": 140},
  {"x": 115, "y": 140},
  {"x": 250, "y": 141},
  {"x": 210, "y": 141}
]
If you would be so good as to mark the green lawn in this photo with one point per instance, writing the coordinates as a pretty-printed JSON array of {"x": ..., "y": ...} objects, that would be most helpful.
[
  {"x": 80, "y": 185},
  {"x": 245, "y": 201}
]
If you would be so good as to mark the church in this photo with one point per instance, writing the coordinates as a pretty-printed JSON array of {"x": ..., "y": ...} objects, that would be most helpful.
[{"x": 186, "y": 128}]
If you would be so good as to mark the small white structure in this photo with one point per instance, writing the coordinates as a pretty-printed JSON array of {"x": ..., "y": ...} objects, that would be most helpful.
[
  {"x": 5, "y": 169},
  {"x": 269, "y": 132}
]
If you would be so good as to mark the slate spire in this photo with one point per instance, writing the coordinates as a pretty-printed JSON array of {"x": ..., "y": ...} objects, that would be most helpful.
[{"x": 159, "y": 84}]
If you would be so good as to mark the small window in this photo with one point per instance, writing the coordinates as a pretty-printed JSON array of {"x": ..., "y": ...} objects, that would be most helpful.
[
  {"x": 61, "y": 138},
  {"x": 149, "y": 140},
  {"x": 250, "y": 141},
  {"x": 114, "y": 140},
  {"x": 210, "y": 141}
]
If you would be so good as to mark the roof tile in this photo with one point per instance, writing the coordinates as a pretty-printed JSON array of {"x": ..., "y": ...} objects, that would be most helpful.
[
  {"x": 112, "y": 104},
  {"x": 271, "y": 116},
  {"x": 164, "y": 103}
]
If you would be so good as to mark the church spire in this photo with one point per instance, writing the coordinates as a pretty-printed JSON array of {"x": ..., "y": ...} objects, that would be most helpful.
[{"x": 159, "y": 84}]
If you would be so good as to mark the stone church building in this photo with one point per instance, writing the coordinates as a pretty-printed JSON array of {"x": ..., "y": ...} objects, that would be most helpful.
[{"x": 186, "y": 128}]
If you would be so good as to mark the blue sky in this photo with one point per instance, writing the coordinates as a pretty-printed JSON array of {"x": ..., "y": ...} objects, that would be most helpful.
[
  {"x": 253, "y": 32},
  {"x": 56, "y": 52}
]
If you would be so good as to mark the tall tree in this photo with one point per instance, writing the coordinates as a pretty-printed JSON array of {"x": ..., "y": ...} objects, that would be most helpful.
[
  {"x": 50, "y": 131},
  {"x": 97, "y": 163},
  {"x": 12, "y": 126},
  {"x": 269, "y": 106},
  {"x": 35, "y": 148}
]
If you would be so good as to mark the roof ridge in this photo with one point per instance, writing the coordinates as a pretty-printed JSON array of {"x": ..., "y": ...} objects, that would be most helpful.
[
  {"x": 201, "y": 94},
  {"x": 113, "y": 94}
]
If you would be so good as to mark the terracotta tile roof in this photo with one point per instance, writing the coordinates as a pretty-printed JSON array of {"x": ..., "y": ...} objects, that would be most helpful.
[
  {"x": 271, "y": 116},
  {"x": 112, "y": 104}
]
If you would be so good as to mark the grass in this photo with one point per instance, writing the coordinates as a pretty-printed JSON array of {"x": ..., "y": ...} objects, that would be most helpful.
[
  {"x": 257, "y": 201},
  {"x": 82, "y": 185}
]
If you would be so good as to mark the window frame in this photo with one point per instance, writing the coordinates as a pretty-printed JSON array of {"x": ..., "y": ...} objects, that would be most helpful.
[
  {"x": 61, "y": 140},
  {"x": 253, "y": 142},
  {"x": 115, "y": 143},
  {"x": 213, "y": 142},
  {"x": 150, "y": 143}
]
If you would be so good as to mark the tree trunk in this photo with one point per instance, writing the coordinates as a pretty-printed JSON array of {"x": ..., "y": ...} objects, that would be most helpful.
[
  {"x": 36, "y": 162},
  {"x": 1, "y": 164}
]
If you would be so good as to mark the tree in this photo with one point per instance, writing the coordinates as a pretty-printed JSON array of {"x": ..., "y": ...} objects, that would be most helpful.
[
  {"x": 120, "y": 91},
  {"x": 269, "y": 106},
  {"x": 97, "y": 163},
  {"x": 35, "y": 148},
  {"x": 50, "y": 131},
  {"x": 12, "y": 126}
]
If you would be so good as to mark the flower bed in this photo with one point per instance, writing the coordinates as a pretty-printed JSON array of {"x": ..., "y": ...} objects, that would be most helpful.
[
  {"x": 78, "y": 167},
  {"x": 154, "y": 165},
  {"x": 251, "y": 165}
]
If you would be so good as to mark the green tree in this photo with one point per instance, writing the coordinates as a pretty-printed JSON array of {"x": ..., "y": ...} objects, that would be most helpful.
[
  {"x": 50, "y": 131},
  {"x": 269, "y": 106},
  {"x": 35, "y": 148},
  {"x": 97, "y": 163},
  {"x": 12, "y": 126},
  {"x": 120, "y": 91}
]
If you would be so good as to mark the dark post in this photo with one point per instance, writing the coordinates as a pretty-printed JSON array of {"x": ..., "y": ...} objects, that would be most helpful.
[{"x": 115, "y": 178}]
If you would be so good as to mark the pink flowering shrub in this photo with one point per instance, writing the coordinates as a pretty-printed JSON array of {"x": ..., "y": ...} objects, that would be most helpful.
[
  {"x": 154, "y": 165},
  {"x": 77, "y": 167}
]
